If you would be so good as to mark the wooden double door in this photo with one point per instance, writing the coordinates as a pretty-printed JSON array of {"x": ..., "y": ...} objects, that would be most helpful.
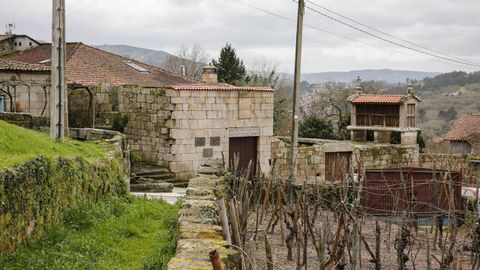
[{"x": 242, "y": 154}]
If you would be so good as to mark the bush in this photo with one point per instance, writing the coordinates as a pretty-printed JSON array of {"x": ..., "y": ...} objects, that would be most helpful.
[
  {"x": 120, "y": 121},
  {"x": 316, "y": 127}
]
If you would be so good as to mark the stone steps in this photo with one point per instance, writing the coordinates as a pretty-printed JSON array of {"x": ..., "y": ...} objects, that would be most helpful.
[{"x": 153, "y": 178}]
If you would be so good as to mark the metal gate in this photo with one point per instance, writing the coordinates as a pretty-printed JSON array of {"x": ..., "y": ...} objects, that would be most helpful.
[{"x": 246, "y": 150}]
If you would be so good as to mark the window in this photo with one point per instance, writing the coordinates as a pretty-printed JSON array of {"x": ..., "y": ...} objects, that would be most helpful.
[
  {"x": 15, "y": 44},
  {"x": 135, "y": 66},
  {"x": 20, "y": 44},
  {"x": 411, "y": 115},
  {"x": 30, "y": 44}
]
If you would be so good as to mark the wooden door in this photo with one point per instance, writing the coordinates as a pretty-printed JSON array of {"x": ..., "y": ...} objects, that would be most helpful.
[
  {"x": 246, "y": 150},
  {"x": 337, "y": 165}
]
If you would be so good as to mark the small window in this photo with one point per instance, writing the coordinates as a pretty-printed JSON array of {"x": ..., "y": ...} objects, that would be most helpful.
[
  {"x": 20, "y": 44},
  {"x": 135, "y": 66},
  {"x": 30, "y": 44},
  {"x": 411, "y": 115},
  {"x": 15, "y": 44}
]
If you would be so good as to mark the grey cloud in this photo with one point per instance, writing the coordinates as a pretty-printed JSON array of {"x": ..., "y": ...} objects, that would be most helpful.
[{"x": 450, "y": 26}]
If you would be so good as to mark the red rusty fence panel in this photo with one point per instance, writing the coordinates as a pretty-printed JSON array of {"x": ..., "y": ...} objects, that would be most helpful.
[{"x": 424, "y": 192}]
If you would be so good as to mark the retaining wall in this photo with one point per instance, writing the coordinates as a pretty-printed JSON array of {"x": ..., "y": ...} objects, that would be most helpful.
[{"x": 199, "y": 227}]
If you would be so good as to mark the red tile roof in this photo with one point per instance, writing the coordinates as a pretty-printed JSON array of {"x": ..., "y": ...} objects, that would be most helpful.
[
  {"x": 378, "y": 99},
  {"x": 465, "y": 128},
  {"x": 7, "y": 65},
  {"x": 89, "y": 66},
  {"x": 218, "y": 87}
]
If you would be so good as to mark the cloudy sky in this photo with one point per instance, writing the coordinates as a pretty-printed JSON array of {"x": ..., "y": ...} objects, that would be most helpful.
[{"x": 448, "y": 26}]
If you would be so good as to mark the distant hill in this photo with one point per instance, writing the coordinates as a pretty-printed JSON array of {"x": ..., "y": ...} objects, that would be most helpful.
[
  {"x": 386, "y": 75},
  {"x": 147, "y": 56}
]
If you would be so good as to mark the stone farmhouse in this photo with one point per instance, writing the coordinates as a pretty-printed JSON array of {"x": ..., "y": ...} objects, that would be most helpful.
[
  {"x": 168, "y": 119},
  {"x": 464, "y": 136}
]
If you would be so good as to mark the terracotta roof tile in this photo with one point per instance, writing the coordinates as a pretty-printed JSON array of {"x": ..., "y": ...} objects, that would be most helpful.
[
  {"x": 378, "y": 99},
  {"x": 89, "y": 66},
  {"x": 465, "y": 128},
  {"x": 7, "y": 65},
  {"x": 219, "y": 87}
]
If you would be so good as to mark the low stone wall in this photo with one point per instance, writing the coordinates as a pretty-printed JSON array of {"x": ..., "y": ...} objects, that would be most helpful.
[
  {"x": 311, "y": 161},
  {"x": 314, "y": 167},
  {"x": 26, "y": 120},
  {"x": 119, "y": 142},
  {"x": 379, "y": 156},
  {"x": 199, "y": 227}
]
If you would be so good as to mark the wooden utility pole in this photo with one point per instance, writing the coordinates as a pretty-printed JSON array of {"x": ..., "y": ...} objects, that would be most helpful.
[
  {"x": 58, "y": 87},
  {"x": 296, "y": 99}
]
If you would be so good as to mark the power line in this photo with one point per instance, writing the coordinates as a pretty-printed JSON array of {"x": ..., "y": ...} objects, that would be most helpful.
[
  {"x": 390, "y": 35},
  {"x": 346, "y": 37},
  {"x": 389, "y": 41}
]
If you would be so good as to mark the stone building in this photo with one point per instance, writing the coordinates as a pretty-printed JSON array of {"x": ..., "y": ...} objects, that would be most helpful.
[
  {"x": 24, "y": 87},
  {"x": 383, "y": 114},
  {"x": 15, "y": 43},
  {"x": 168, "y": 119},
  {"x": 464, "y": 136}
]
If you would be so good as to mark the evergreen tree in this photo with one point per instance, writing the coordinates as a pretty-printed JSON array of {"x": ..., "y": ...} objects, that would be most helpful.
[
  {"x": 230, "y": 67},
  {"x": 316, "y": 127}
]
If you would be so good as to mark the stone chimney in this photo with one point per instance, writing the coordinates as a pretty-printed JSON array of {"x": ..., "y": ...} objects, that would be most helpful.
[
  {"x": 410, "y": 90},
  {"x": 210, "y": 74},
  {"x": 358, "y": 87}
]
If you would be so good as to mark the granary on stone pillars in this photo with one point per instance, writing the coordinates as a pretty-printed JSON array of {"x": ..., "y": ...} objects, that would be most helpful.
[
  {"x": 168, "y": 119},
  {"x": 382, "y": 114}
]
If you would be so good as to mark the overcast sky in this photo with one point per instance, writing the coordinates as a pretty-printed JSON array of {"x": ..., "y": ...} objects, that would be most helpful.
[{"x": 450, "y": 26}]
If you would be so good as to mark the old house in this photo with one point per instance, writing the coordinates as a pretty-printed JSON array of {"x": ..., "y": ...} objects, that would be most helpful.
[
  {"x": 24, "y": 87},
  {"x": 10, "y": 43},
  {"x": 168, "y": 119},
  {"x": 464, "y": 136}
]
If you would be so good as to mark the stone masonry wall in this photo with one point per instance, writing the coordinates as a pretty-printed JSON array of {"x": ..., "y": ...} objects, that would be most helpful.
[
  {"x": 31, "y": 99},
  {"x": 378, "y": 156},
  {"x": 311, "y": 161},
  {"x": 203, "y": 122},
  {"x": 180, "y": 129},
  {"x": 199, "y": 227},
  {"x": 26, "y": 120}
]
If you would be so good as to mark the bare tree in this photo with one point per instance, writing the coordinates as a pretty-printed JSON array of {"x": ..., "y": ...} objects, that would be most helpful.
[{"x": 193, "y": 58}]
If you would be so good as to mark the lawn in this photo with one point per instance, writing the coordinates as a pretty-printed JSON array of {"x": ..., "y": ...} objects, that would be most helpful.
[
  {"x": 18, "y": 145},
  {"x": 115, "y": 234}
]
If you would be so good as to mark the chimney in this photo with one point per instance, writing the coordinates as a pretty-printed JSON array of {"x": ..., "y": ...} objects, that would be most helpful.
[
  {"x": 209, "y": 74},
  {"x": 358, "y": 88},
  {"x": 410, "y": 90}
]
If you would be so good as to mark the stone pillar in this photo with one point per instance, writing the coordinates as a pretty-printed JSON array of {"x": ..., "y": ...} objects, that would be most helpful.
[
  {"x": 359, "y": 135},
  {"x": 382, "y": 136},
  {"x": 409, "y": 137}
]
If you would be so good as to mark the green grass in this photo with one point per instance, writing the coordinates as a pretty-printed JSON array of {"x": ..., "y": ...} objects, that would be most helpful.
[
  {"x": 18, "y": 145},
  {"x": 115, "y": 234}
]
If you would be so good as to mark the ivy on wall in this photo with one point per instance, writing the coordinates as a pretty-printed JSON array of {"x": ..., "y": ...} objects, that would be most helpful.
[{"x": 34, "y": 195}]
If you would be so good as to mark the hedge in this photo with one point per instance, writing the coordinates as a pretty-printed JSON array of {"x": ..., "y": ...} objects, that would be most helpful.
[{"x": 36, "y": 194}]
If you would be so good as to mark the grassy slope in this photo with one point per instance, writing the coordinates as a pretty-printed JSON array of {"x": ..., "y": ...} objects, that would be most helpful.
[
  {"x": 116, "y": 234},
  {"x": 19, "y": 144}
]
